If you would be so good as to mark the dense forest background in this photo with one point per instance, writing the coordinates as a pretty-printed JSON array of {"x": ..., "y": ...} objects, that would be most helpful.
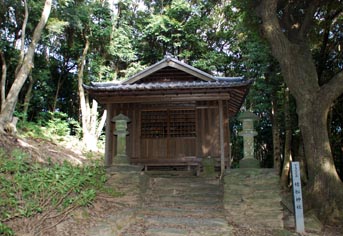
[{"x": 103, "y": 40}]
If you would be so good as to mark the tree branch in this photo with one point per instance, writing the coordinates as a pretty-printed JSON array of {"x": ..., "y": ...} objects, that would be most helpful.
[
  {"x": 271, "y": 27},
  {"x": 308, "y": 20},
  {"x": 332, "y": 89},
  {"x": 22, "y": 40}
]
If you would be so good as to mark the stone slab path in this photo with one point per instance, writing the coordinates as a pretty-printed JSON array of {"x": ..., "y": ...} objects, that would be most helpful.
[{"x": 181, "y": 205}]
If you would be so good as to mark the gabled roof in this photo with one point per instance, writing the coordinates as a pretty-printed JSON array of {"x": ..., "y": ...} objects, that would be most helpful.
[
  {"x": 172, "y": 62},
  {"x": 171, "y": 80}
]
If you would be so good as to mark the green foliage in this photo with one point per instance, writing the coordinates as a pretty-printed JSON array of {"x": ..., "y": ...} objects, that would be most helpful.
[
  {"x": 31, "y": 188},
  {"x": 50, "y": 125},
  {"x": 5, "y": 230},
  {"x": 56, "y": 123},
  {"x": 56, "y": 26}
]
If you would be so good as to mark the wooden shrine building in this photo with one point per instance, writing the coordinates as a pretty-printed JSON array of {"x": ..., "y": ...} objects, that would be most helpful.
[{"x": 178, "y": 114}]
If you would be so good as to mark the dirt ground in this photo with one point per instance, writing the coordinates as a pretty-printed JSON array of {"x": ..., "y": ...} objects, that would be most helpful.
[{"x": 81, "y": 220}]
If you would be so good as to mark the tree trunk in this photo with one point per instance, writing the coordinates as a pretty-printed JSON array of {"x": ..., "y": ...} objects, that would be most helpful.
[
  {"x": 89, "y": 114},
  {"x": 288, "y": 143},
  {"x": 84, "y": 106},
  {"x": 22, "y": 38},
  {"x": 7, "y": 110},
  {"x": 324, "y": 189},
  {"x": 276, "y": 135},
  {"x": 101, "y": 124},
  {"x": 28, "y": 96},
  {"x": 3, "y": 79},
  {"x": 59, "y": 85}
]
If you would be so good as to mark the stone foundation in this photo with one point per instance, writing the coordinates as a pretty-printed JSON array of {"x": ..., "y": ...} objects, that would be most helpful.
[{"x": 252, "y": 198}]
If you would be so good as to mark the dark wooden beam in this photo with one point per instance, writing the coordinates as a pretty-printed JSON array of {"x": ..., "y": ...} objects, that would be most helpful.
[
  {"x": 163, "y": 98},
  {"x": 221, "y": 133},
  {"x": 109, "y": 136}
]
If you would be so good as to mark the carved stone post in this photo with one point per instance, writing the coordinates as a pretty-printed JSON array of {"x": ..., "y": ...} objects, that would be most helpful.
[
  {"x": 121, "y": 132},
  {"x": 248, "y": 134}
]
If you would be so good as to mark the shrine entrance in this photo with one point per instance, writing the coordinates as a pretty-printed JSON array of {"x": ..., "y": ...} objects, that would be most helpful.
[{"x": 168, "y": 134}]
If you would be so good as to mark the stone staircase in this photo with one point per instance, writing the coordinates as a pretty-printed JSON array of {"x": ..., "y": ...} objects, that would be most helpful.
[
  {"x": 181, "y": 205},
  {"x": 246, "y": 202}
]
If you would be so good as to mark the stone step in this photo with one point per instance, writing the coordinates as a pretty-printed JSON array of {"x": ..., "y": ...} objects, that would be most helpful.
[
  {"x": 184, "y": 194},
  {"x": 166, "y": 232},
  {"x": 183, "y": 189},
  {"x": 186, "y": 199},
  {"x": 210, "y": 188},
  {"x": 195, "y": 180},
  {"x": 204, "y": 181},
  {"x": 191, "y": 194},
  {"x": 185, "y": 205},
  {"x": 177, "y": 226},
  {"x": 185, "y": 221},
  {"x": 175, "y": 212},
  {"x": 195, "y": 231}
]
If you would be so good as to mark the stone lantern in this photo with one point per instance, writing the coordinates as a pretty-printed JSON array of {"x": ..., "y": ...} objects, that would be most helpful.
[
  {"x": 248, "y": 133},
  {"x": 121, "y": 132}
]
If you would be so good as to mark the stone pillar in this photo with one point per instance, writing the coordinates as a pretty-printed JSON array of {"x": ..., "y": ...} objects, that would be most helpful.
[
  {"x": 121, "y": 132},
  {"x": 248, "y": 134}
]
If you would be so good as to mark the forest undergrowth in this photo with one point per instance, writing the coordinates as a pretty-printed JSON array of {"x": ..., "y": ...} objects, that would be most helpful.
[{"x": 44, "y": 176}]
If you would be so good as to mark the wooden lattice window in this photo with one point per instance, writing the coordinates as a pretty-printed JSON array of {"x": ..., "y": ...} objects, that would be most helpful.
[
  {"x": 154, "y": 124},
  {"x": 182, "y": 123},
  {"x": 168, "y": 123}
]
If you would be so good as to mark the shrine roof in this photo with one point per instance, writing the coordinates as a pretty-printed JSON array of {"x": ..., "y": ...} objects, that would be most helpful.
[
  {"x": 171, "y": 80},
  {"x": 217, "y": 83}
]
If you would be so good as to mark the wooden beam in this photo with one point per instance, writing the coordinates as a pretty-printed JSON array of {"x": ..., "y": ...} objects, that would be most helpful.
[
  {"x": 229, "y": 145},
  {"x": 221, "y": 132},
  {"x": 109, "y": 137},
  {"x": 163, "y": 98}
]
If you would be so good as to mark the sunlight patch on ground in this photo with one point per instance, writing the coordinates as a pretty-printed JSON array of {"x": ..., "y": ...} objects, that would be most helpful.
[{"x": 25, "y": 144}]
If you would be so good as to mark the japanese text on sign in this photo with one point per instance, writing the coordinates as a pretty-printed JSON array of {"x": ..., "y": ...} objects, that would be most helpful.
[{"x": 297, "y": 198}]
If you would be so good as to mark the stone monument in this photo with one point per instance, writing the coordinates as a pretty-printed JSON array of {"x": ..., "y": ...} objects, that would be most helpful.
[
  {"x": 121, "y": 132},
  {"x": 248, "y": 133}
]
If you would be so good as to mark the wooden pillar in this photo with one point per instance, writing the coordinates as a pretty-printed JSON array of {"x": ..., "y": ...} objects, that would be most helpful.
[
  {"x": 109, "y": 152},
  {"x": 229, "y": 144},
  {"x": 221, "y": 132}
]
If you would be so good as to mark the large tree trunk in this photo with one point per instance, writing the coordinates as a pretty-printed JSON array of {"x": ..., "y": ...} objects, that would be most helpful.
[
  {"x": 288, "y": 143},
  {"x": 324, "y": 189},
  {"x": 325, "y": 186},
  {"x": 7, "y": 110}
]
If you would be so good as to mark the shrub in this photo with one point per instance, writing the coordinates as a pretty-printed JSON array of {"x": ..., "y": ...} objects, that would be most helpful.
[{"x": 51, "y": 126}]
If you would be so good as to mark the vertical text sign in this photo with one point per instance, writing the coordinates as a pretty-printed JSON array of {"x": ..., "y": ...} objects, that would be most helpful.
[{"x": 297, "y": 198}]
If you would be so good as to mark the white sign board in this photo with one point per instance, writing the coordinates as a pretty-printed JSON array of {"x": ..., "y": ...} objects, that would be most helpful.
[{"x": 297, "y": 198}]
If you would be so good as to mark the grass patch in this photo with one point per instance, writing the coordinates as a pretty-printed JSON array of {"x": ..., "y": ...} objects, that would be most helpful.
[{"x": 42, "y": 192}]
